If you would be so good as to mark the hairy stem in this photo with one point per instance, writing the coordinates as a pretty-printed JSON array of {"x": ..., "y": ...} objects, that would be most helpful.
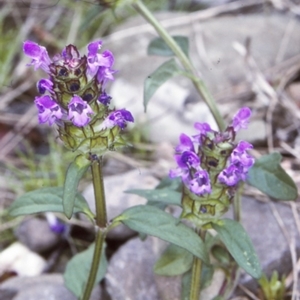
[
  {"x": 98, "y": 183},
  {"x": 198, "y": 83},
  {"x": 196, "y": 272},
  {"x": 101, "y": 222},
  {"x": 99, "y": 243}
]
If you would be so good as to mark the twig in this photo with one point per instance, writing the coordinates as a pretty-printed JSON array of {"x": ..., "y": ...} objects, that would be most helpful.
[{"x": 248, "y": 293}]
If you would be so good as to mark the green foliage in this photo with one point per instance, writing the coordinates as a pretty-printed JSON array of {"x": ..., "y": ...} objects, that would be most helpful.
[
  {"x": 78, "y": 269},
  {"x": 46, "y": 199},
  {"x": 75, "y": 172},
  {"x": 174, "y": 261},
  {"x": 269, "y": 177},
  {"x": 158, "y": 46},
  {"x": 239, "y": 245},
  {"x": 273, "y": 289},
  {"x": 166, "y": 71},
  {"x": 153, "y": 221}
]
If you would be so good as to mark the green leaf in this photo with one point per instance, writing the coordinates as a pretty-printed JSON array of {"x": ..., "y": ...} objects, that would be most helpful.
[
  {"x": 158, "y": 46},
  {"x": 166, "y": 71},
  {"x": 75, "y": 172},
  {"x": 46, "y": 199},
  {"x": 170, "y": 183},
  {"x": 166, "y": 196},
  {"x": 269, "y": 177},
  {"x": 174, "y": 261},
  {"x": 153, "y": 221},
  {"x": 239, "y": 245},
  {"x": 78, "y": 269}
]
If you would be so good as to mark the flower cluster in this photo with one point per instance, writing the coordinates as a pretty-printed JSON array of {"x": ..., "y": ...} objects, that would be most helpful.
[
  {"x": 74, "y": 97},
  {"x": 211, "y": 165}
]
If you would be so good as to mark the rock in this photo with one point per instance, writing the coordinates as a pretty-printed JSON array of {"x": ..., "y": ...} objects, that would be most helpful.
[
  {"x": 267, "y": 237},
  {"x": 20, "y": 260},
  {"x": 50, "y": 286},
  {"x": 220, "y": 65},
  {"x": 36, "y": 234},
  {"x": 141, "y": 283},
  {"x": 117, "y": 201},
  {"x": 130, "y": 272}
]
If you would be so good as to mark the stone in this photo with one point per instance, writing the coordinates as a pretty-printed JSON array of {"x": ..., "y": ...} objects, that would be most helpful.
[
  {"x": 20, "y": 260},
  {"x": 170, "y": 287},
  {"x": 36, "y": 234},
  {"x": 267, "y": 237},
  {"x": 117, "y": 201},
  {"x": 50, "y": 286},
  {"x": 130, "y": 271}
]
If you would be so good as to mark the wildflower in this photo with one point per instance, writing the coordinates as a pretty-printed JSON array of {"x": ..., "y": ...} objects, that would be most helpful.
[
  {"x": 54, "y": 224},
  {"x": 74, "y": 98},
  {"x": 211, "y": 166}
]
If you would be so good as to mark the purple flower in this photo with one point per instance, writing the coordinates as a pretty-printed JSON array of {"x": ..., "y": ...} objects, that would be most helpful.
[
  {"x": 240, "y": 157},
  {"x": 185, "y": 144},
  {"x": 241, "y": 119},
  {"x": 200, "y": 184},
  {"x": 117, "y": 118},
  {"x": 188, "y": 159},
  {"x": 79, "y": 112},
  {"x": 185, "y": 162},
  {"x": 54, "y": 224},
  {"x": 100, "y": 64},
  {"x": 38, "y": 54},
  {"x": 49, "y": 110},
  {"x": 204, "y": 128},
  {"x": 92, "y": 56},
  {"x": 44, "y": 85},
  {"x": 104, "y": 99},
  {"x": 230, "y": 176}
]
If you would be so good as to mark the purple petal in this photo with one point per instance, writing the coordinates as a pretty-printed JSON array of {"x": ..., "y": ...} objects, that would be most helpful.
[
  {"x": 185, "y": 144},
  {"x": 117, "y": 118},
  {"x": 38, "y": 54},
  {"x": 200, "y": 184},
  {"x": 241, "y": 119},
  {"x": 49, "y": 110},
  {"x": 188, "y": 159},
  {"x": 79, "y": 111},
  {"x": 104, "y": 98},
  {"x": 230, "y": 176},
  {"x": 93, "y": 48},
  {"x": 204, "y": 128},
  {"x": 44, "y": 85}
]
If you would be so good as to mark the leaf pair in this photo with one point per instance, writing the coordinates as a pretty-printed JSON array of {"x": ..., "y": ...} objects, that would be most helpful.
[{"x": 154, "y": 221}]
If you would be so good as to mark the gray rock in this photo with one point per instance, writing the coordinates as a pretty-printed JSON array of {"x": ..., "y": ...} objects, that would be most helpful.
[
  {"x": 268, "y": 239},
  {"x": 130, "y": 272},
  {"x": 220, "y": 65},
  {"x": 36, "y": 234},
  {"x": 117, "y": 201},
  {"x": 50, "y": 287}
]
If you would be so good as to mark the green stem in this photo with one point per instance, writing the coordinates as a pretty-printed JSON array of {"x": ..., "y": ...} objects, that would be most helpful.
[
  {"x": 198, "y": 83},
  {"x": 196, "y": 273},
  {"x": 98, "y": 183},
  {"x": 237, "y": 204},
  {"x": 101, "y": 222},
  {"x": 99, "y": 242}
]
